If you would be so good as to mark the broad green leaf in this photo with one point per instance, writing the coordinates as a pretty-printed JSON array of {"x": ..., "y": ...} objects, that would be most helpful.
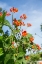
[
  {"x": 20, "y": 55},
  {"x": 20, "y": 48},
  {"x": 6, "y": 23},
  {"x": 8, "y": 59},
  {"x": 1, "y": 51},
  {"x": 1, "y": 31},
  {"x": 1, "y": 37},
  {"x": 25, "y": 61}
]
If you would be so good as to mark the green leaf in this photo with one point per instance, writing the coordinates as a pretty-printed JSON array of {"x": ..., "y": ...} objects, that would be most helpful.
[
  {"x": 20, "y": 55},
  {"x": 1, "y": 51},
  {"x": 20, "y": 49},
  {"x": 25, "y": 61},
  {"x": 6, "y": 23},
  {"x": 1, "y": 37},
  {"x": 8, "y": 59},
  {"x": 35, "y": 57},
  {"x": 22, "y": 61},
  {"x": 18, "y": 61},
  {"x": 1, "y": 31},
  {"x": 16, "y": 31}
]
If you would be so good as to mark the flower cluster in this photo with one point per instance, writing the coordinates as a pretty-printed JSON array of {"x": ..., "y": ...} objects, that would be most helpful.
[
  {"x": 38, "y": 47},
  {"x": 23, "y": 16},
  {"x": 28, "y": 24},
  {"x": 17, "y": 23},
  {"x": 31, "y": 39},
  {"x": 14, "y": 9},
  {"x": 24, "y": 33}
]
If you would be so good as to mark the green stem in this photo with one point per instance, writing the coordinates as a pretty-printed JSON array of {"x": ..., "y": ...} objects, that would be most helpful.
[
  {"x": 12, "y": 24},
  {"x": 12, "y": 19}
]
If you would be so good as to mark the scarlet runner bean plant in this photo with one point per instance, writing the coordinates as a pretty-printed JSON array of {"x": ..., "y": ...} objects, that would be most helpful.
[{"x": 15, "y": 47}]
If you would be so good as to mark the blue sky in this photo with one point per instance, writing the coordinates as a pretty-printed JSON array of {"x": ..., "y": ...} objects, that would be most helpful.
[{"x": 33, "y": 10}]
